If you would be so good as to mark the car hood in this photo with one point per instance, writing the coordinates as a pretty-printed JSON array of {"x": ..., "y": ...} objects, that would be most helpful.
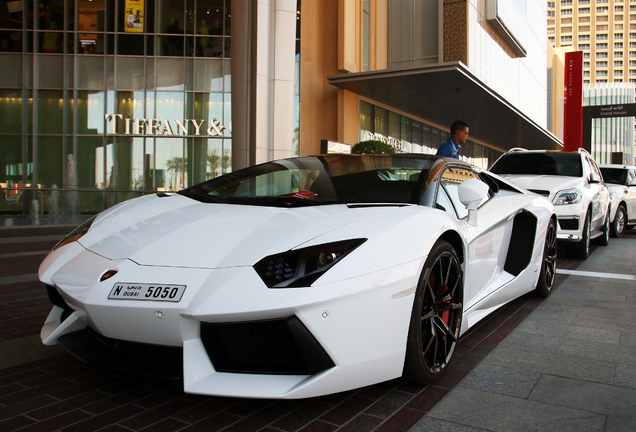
[
  {"x": 552, "y": 183},
  {"x": 180, "y": 232}
]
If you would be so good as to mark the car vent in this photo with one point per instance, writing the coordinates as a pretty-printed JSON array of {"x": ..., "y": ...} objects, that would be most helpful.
[
  {"x": 569, "y": 224},
  {"x": 122, "y": 356},
  {"x": 544, "y": 193},
  {"x": 281, "y": 346},
  {"x": 57, "y": 300},
  {"x": 521, "y": 245}
]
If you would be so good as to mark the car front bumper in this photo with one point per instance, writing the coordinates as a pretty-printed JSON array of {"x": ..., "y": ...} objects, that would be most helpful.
[{"x": 356, "y": 328}]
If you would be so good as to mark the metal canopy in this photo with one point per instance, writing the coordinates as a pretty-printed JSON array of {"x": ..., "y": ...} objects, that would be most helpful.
[{"x": 446, "y": 92}]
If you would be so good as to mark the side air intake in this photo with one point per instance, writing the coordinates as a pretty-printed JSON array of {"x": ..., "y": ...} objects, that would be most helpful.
[{"x": 524, "y": 228}]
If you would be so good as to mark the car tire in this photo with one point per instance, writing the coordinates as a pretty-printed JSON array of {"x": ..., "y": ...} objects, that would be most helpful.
[
  {"x": 548, "y": 266},
  {"x": 436, "y": 317},
  {"x": 618, "y": 226},
  {"x": 603, "y": 240},
  {"x": 581, "y": 249}
]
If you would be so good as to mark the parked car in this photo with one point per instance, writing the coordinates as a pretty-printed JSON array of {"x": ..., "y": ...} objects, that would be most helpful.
[
  {"x": 621, "y": 181},
  {"x": 299, "y": 277},
  {"x": 572, "y": 182}
]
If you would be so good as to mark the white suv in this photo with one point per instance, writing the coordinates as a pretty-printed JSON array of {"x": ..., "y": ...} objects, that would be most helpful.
[
  {"x": 573, "y": 183},
  {"x": 621, "y": 181}
]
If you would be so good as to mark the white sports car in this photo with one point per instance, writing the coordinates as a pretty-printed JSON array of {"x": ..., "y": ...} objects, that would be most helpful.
[{"x": 299, "y": 277}]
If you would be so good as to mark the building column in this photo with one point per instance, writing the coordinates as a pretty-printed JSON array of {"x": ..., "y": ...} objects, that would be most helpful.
[{"x": 263, "y": 65}]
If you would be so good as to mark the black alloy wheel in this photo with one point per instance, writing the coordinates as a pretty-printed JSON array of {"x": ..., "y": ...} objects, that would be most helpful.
[
  {"x": 548, "y": 267},
  {"x": 436, "y": 317},
  {"x": 618, "y": 226}
]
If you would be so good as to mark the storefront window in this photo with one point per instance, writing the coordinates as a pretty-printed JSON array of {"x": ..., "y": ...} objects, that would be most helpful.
[
  {"x": 10, "y": 111},
  {"x": 170, "y": 165},
  {"x": 208, "y": 75},
  {"x": 11, "y": 169},
  {"x": 111, "y": 68},
  {"x": 170, "y": 74},
  {"x": 51, "y": 111},
  {"x": 50, "y": 157},
  {"x": 90, "y": 112}
]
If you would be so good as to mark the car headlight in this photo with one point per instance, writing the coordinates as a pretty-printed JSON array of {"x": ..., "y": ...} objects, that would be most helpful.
[
  {"x": 301, "y": 267},
  {"x": 570, "y": 196},
  {"x": 76, "y": 234}
]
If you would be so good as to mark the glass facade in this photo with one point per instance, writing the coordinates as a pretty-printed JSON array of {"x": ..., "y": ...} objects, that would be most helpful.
[
  {"x": 105, "y": 100},
  {"x": 409, "y": 135}
]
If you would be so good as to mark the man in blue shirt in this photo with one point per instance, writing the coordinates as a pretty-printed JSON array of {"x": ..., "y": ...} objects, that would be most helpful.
[{"x": 459, "y": 135}]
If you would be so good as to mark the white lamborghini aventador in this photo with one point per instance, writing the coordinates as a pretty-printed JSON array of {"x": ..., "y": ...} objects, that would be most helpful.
[{"x": 299, "y": 277}]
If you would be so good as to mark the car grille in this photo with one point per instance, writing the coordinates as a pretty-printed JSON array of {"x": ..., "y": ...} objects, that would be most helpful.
[
  {"x": 569, "y": 224},
  {"x": 137, "y": 358},
  {"x": 544, "y": 193},
  {"x": 281, "y": 346}
]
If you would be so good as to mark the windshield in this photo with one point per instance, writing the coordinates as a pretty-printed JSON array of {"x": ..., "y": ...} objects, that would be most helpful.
[
  {"x": 319, "y": 180},
  {"x": 562, "y": 164},
  {"x": 614, "y": 175}
]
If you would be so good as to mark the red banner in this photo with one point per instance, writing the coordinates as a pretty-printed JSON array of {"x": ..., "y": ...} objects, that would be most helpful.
[{"x": 573, "y": 102}]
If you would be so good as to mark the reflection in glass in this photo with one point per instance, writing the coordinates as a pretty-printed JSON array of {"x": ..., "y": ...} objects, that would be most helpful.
[
  {"x": 50, "y": 111},
  {"x": 171, "y": 107},
  {"x": 170, "y": 74},
  {"x": 90, "y": 112},
  {"x": 170, "y": 172},
  {"x": 89, "y": 162},
  {"x": 50, "y": 156},
  {"x": 11, "y": 111},
  {"x": 51, "y": 42},
  {"x": 11, "y": 41},
  {"x": 130, "y": 73},
  {"x": 92, "y": 72}
]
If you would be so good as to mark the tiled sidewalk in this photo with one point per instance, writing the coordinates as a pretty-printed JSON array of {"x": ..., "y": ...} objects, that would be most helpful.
[{"x": 44, "y": 389}]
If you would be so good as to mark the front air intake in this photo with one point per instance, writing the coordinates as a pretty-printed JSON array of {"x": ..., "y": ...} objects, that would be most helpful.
[{"x": 280, "y": 346}]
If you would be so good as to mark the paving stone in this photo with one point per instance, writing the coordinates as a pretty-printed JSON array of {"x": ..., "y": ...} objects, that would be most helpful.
[
  {"x": 25, "y": 350},
  {"x": 501, "y": 413},
  {"x": 597, "y": 351},
  {"x": 532, "y": 341},
  {"x": 584, "y": 395},
  {"x": 428, "y": 424},
  {"x": 549, "y": 363},
  {"x": 501, "y": 380},
  {"x": 570, "y": 332},
  {"x": 619, "y": 424},
  {"x": 625, "y": 375},
  {"x": 547, "y": 316}
]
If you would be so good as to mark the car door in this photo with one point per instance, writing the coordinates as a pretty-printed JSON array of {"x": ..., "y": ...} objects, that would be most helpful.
[
  {"x": 600, "y": 195},
  {"x": 484, "y": 254}
]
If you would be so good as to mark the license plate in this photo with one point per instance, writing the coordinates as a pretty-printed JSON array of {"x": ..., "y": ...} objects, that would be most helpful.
[{"x": 154, "y": 292}]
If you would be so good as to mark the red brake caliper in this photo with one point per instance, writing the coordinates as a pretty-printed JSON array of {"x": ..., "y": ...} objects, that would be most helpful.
[{"x": 446, "y": 314}]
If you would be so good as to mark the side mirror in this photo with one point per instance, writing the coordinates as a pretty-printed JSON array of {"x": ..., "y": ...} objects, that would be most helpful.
[
  {"x": 595, "y": 178},
  {"x": 471, "y": 193}
]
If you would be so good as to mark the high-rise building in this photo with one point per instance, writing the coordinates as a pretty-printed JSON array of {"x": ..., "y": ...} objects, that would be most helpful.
[{"x": 605, "y": 30}]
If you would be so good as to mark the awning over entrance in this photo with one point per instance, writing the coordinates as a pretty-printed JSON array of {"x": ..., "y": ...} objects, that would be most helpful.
[{"x": 446, "y": 92}]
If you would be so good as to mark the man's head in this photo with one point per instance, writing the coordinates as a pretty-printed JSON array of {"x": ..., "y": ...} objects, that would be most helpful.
[{"x": 459, "y": 131}]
